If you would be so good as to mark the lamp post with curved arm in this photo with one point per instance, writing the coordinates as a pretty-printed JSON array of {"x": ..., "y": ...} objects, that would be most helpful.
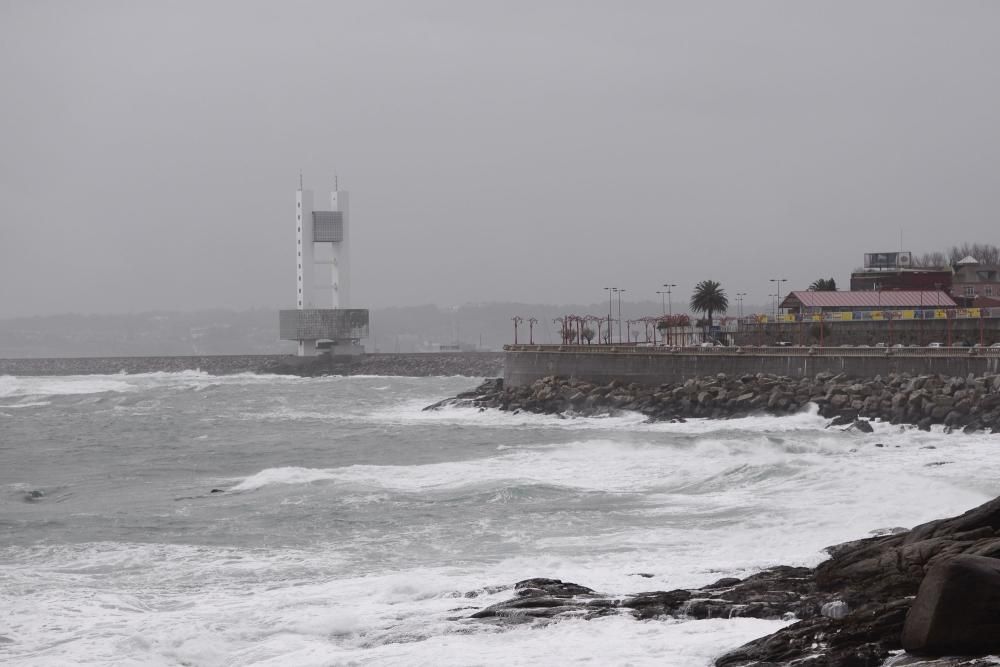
[
  {"x": 669, "y": 287},
  {"x": 517, "y": 320},
  {"x": 531, "y": 330}
]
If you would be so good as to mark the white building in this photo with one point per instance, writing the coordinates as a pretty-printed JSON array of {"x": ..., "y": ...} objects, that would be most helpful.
[
  {"x": 323, "y": 250},
  {"x": 323, "y": 319}
]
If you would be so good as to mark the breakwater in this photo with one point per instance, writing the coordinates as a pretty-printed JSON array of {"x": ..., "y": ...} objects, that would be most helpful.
[
  {"x": 970, "y": 403},
  {"x": 471, "y": 364},
  {"x": 652, "y": 366}
]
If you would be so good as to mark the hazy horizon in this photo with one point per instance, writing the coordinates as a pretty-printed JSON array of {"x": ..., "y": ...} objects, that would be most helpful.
[{"x": 516, "y": 152}]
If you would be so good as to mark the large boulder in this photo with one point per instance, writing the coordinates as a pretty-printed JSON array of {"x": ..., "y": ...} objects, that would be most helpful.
[{"x": 957, "y": 609}]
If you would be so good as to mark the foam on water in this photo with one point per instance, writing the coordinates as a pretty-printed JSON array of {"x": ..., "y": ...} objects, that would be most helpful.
[
  {"x": 70, "y": 385},
  {"x": 62, "y": 386},
  {"x": 590, "y": 500},
  {"x": 216, "y": 607}
]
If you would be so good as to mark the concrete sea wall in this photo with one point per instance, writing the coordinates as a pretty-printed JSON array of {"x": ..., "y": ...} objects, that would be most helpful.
[{"x": 653, "y": 366}]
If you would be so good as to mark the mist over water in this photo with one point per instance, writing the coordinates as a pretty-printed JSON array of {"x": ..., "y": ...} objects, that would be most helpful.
[{"x": 348, "y": 526}]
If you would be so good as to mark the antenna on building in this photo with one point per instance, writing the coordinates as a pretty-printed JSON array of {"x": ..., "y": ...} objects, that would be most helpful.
[
  {"x": 300, "y": 179},
  {"x": 336, "y": 186}
]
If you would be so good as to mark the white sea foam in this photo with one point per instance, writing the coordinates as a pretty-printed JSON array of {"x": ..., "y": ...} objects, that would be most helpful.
[
  {"x": 594, "y": 501},
  {"x": 26, "y": 404},
  {"x": 286, "y": 475},
  {"x": 412, "y": 412},
  {"x": 62, "y": 386},
  {"x": 196, "y": 605},
  {"x": 122, "y": 382},
  {"x": 640, "y": 464}
]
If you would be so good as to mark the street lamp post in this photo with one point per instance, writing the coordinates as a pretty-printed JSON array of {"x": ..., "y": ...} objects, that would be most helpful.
[
  {"x": 739, "y": 302},
  {"x": 517, "y": 320},
  {"x": 611, "y": 291},
  {"x": 620, "y": 314},
  {"x": 669, "y": 287},
  {"x": 778, "y": 295},
  {"x": 663, "y": 302},
  {"x": 531, "y": 330}
]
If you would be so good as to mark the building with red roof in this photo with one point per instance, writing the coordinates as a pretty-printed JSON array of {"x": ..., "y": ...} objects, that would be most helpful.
[{"x": 808, "y": 301}]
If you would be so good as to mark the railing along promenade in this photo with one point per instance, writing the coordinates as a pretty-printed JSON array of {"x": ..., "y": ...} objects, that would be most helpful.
[{"x": 751, "y": 350}]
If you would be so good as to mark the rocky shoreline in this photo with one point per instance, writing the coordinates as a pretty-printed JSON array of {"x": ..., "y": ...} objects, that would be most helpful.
[
  {"x": 904, "y": 597},
  {"x": 969, "y": 404},
  {"x": 933, "y": 591}
]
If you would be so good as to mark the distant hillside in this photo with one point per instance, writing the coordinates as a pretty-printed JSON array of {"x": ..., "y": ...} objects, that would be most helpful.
[{"x": 207, "y": 332}]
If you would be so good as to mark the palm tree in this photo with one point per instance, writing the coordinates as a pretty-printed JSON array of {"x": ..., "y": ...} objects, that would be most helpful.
[
  {"x": 709, "y": 298},
  {"x": 823, "y": 285}
]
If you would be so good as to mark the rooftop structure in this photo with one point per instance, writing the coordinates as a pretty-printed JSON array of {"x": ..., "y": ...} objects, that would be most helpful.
[
  {"x": 895, "y": 271},
  {"x": 929, "y": 278},
  {"x": 809, "y": 301},
  {"x": 973, "y": 280}
]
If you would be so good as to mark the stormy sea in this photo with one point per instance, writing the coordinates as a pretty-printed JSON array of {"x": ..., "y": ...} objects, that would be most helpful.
[{"x": 190, "y": 519}]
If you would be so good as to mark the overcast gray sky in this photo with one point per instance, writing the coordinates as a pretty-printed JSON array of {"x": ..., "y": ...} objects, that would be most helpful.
[{"x": 495, "y": 151}]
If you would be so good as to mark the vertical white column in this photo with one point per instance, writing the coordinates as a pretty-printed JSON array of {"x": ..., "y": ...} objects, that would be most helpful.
[
  {"x": 339, "y": 201},
  {"x": 304, "y": 249},
  {"x": 304, "y": 261}
]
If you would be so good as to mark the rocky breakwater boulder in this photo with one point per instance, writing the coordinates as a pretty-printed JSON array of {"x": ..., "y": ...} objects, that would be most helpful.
[
  {"x": 848, "y": 611},
  {"x": 968, "y": 403},
  {"x": 715, "y": 396},
  {"x": 971, "y": 403}
]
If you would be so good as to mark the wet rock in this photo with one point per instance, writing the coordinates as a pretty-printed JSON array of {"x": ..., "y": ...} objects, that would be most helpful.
[
  {"x": 957, "y": 609},
  {"x": 836, "y": 609},
  {"x": 851, "y": 608},
  {"x": 862, "y": 425}
]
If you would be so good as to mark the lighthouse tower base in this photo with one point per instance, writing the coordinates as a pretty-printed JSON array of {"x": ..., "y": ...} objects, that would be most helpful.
[{"x": 336, "y": 331}]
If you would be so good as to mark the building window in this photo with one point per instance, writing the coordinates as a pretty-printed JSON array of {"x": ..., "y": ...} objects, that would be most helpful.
[
  {"x": 970, "y": 291},
  {"x": 988, "y": 291}
]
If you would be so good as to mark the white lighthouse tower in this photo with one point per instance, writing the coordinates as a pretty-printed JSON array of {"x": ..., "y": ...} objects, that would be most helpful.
[{"x": 323, "y": 320}]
